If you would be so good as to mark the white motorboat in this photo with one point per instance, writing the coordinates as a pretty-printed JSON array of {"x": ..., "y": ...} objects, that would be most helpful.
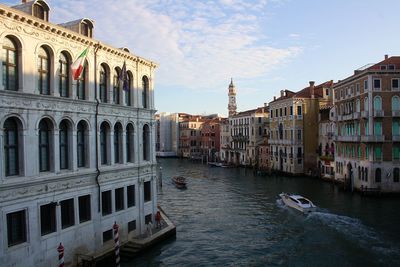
[{"x": 298, "y": 202}]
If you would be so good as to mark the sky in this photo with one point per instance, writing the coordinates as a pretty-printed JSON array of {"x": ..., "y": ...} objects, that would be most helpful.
[{"x": 264, "y": 45}]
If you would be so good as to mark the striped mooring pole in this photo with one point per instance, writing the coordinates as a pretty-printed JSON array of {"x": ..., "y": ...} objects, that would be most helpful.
[
  {"x": 60, "y": 250},
  {"x": 116, "y": 240}
]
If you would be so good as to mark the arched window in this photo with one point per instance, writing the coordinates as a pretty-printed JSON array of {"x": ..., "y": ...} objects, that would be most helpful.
[
  {"x": 128, "y": 92},
  {"x": 103, "y": 83},
  {"x": 64, "y": 145},
  {"x": 146, "y": 142},
  {"x": 396, "y": 175},
  {"x": 395, "y": 103},
  {"x": 366, "y": 104},
  {"x": 359, "y": 173},
  {"x": 104, "y": 137},
  {"x": 81, "y": 83},
  {"x": 377, "y": 103},
  {"x": 130, "y": 143},
  {"x": 11, "y": 147},
  {"x": 44, "y": 71},
  {"x": 378, "y": 174},
  {"x": 44, "y": 145},
  {"x": 81, "y": 144},
  {"x": 40, "y": 11},
  {"x": 10, "y": 65},
  {"x": 117, "y": 143},
  {"x": 116, "y": 86},
  {"x": 64, "y": 66},
  {"x": 362, "y": 173},
  {"x": 358, "y": 108},
  {"x": 145, "y": 92}
]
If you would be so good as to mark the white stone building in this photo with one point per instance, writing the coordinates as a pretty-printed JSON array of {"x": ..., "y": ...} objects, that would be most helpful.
[
  {"x": 76, "y": 156},
  {"x": 168, "y": 134}
]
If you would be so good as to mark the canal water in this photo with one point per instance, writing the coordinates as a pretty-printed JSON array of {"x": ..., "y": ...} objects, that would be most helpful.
[{"x": 231, "y": 217}]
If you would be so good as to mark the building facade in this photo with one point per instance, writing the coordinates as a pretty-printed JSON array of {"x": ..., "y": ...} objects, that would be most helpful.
[
  {"x": 76, "y": 155},
  {"x": 167, "y": 134},
  {"x": 210, "y": 139},
  {"x": 326, "y": 147},
  {"x": 294, "y": 128},
  {"x": 367, "y": 127}
]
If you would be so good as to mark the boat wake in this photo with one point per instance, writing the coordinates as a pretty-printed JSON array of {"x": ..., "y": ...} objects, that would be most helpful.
[{"x": 354, "y": 230}]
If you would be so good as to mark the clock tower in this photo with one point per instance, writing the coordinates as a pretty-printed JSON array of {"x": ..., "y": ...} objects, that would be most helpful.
[{"x": 232, "y": 99}]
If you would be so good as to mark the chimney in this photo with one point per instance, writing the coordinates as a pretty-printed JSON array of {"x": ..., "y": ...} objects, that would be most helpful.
[
  {"x": 386, "y": 57},
  {"x": 274, "y": 98},
  {"x": 312, "y": 89},
  {"x": 282, "y": 93}
]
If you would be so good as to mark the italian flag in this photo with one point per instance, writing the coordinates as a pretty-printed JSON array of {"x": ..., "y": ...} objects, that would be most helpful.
[{"x": 78, "y": 65}]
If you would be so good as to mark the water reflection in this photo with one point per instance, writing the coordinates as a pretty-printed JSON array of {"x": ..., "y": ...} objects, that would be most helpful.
[{"x": 229, "y": 217}]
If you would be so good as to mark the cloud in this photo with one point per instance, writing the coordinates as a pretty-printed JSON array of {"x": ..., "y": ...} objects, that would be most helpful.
[
  {"x": 198, "y": 44},
  {"x": 294, "y": 35}
]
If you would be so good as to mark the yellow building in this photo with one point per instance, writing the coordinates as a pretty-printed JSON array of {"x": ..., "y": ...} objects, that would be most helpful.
[{"x": 293, "y": 135}]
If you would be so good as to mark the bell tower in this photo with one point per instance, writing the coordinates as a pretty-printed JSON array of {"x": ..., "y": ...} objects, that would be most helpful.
[{"x": 232, "y": 99}]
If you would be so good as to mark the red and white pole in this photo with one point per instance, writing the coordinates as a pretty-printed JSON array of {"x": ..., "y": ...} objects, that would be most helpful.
[
  {"x": 60, "y": 250},
  {"x": 116, "y": 240}
]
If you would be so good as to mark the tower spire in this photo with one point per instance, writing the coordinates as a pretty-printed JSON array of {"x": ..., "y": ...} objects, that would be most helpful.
[{"x": 232, "y": 99}]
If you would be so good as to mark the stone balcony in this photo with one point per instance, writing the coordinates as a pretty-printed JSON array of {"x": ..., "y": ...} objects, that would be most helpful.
[
  {"x": 396, "y": 113},
  {"x": 396, "y": 138},
  {"x": 379, "y": 113},
  {"x": 372, "y": 138},
  {"x": 364, "y": 114}
]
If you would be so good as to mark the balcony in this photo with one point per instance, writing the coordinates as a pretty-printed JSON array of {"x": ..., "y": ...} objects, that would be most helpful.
[
  {"x": 356, "y": 115},
  {"x": 339, "y": 118},
  {"x": 347, "y": 138},
  {"x": 347, "y": 117},
  {"x": 396, "y": 113},
  {"x": 396, "y": 138},
  {"x": 299, "y": 117},
  {"x": 364, "y": 114},
  {"x": 372, "y": 138},
  {"x": 379, "y": 113}
]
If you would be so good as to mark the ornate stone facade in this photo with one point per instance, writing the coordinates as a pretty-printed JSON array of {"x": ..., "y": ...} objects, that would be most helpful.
[{"x": 41, "y": 168}]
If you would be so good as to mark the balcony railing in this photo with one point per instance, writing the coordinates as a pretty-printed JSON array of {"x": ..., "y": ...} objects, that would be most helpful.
[
  {"x": 356, "y": 115},
  {"x": 364, "y": 114},
  {"x": 379, "y": 113},
  {"x": 347, "y": 117},
  {"x": 396, "y": 113},
  {"x": 372, "y": 138},
  {"x": 396, "y": 138}
]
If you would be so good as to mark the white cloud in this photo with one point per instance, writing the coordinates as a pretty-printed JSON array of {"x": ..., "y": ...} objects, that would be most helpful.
[{"x": 197, "y": 44}]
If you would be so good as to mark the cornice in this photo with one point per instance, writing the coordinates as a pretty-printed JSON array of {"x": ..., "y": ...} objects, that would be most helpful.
[{"x": 24, "y": 18}]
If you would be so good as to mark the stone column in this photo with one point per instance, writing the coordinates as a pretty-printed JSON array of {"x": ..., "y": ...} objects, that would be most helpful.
[
  {"x": 73, "y": 151},
  {"x": 55, "y": 152},
  {"x": 124, "y": 151}
]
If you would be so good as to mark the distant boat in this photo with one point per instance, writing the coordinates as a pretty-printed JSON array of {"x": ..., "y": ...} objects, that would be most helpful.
[
  {"x": 179, "y": 181},
  {"x": 298, "y": 202},
  {"x": 215, "y": 164}
]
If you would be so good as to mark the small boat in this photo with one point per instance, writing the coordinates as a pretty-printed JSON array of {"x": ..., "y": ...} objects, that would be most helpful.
[
  {"x": 179, "y": 181},
  {"x": 298, "y": 202}
]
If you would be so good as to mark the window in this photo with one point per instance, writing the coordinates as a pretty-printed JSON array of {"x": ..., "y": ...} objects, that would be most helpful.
[
  {"x": 48, "y": 219},
  {"x": 358, "y": 105},
  {"x": 10, "y": 65},
  {"x": 16, "y": 228},
  {"x": 395, "y": 84},
  {"x": 131, "y": 226},
  {"x": 291, "y": 110},
  {"x": 395, "y": 128},
  {"x": 44, "y": 71},
  {"x": 117, "y": 143},
  {"x": 86, "y": 29},
  {"x": 299, "y": 135},
  {"x": 128, "y": 89},
  {"x": 377, "y": 84},
  {"x": 106, "y": 203},
  {"x": 396, "y": 175},
  {"x": 64, "y": 159},
  {"x": 365, "y": 85},
  {"x": 84, "y": 208},
  {"x": 130, "y": 143},
  {"x": 366, "y": 174},
  {"x": 119, "y": 199},
  {"x": 104, "y": 135},
  {"x": 11, "y": 148},
  {"x": 378, "y": 175},
  {"x": 146, "y": 142},
  {"x": 299, "y": 110},
  {"x": 116, "y": 87},
  {"x": 44, "y": 146},
  {"x": 103, "y": 83},
  {"x": 395, "y": 103},
  {"x": 39, "y": 12},
  {"x": 130, "y": 195},
  {"x": 377, "y": 103},
  {"x": 81, "y": 83},
  {"x": 378, "y": 128},
  {"x": 366, "y": 104},
  {"x": 378, "y": 153},
  {"x": 357, "y": 88},
  {"x": 67, "y": 213},
  {"x": 145, "y": 92},
  {"x": 81, "y": 144},
  {"x": 107, "y": 235},
  {"x": 64, "y": 75},
  {"x": 147, "y": 191},
  {"x": 391, "y": 67},
  {"x": 396, "y": 152}
]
